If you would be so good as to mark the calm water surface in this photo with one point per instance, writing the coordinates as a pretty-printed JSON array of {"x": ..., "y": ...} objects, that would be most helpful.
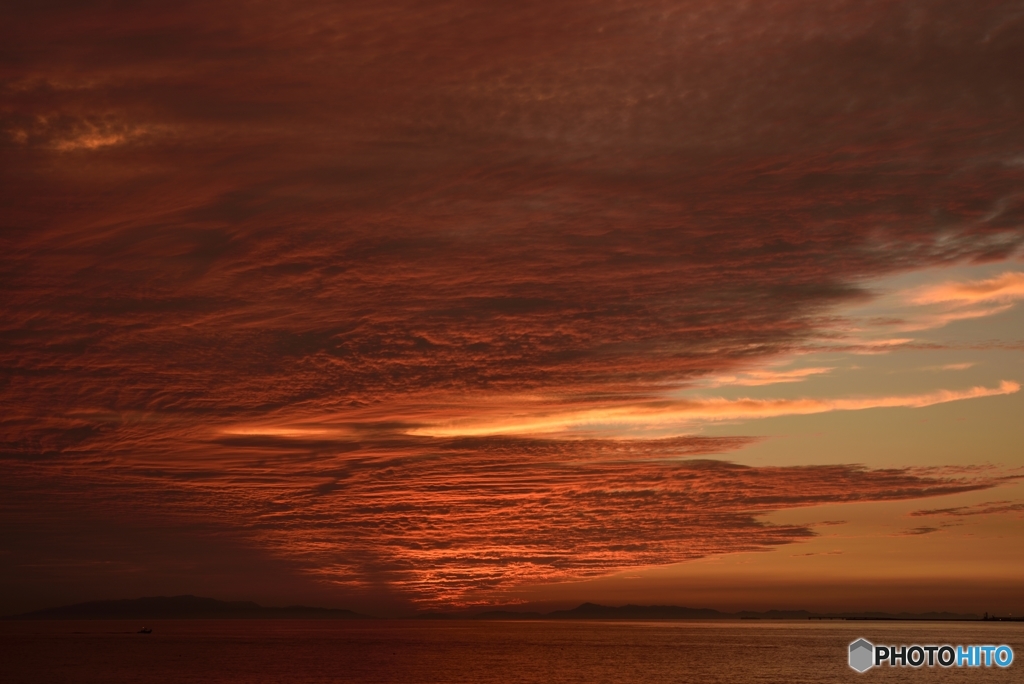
[{"x": 217, "y": 651}]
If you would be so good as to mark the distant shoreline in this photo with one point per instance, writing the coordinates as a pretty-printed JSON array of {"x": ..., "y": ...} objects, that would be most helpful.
[{"x": 200, "y": 608}]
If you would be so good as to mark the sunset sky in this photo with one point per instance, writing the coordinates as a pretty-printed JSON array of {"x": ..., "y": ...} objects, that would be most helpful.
[{"x": 403, "y": 306}]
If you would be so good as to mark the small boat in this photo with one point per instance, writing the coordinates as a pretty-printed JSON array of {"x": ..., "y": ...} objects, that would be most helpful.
[{"x": 146, "y": 630}]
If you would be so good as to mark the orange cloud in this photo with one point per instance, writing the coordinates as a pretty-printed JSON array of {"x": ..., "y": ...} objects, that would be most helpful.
[
  {"x": 1001, "y": 288},
  {"x": 686, "y": 412},
  {"x": 754, "y": 378}
]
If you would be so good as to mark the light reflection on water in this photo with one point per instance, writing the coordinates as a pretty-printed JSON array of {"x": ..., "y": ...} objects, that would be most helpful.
[{"x": 259, "y": 651}]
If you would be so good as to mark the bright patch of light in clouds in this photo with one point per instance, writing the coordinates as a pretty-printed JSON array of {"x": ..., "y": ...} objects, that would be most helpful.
[
  {"x": 1007, "y": 286},
  {"x": 904, "y": 307},
  {"x": 755, "y": 378},
  {"x": 688, "y": 414}
]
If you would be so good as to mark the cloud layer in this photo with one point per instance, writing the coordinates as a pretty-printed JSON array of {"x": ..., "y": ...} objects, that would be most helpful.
[
  {"x": 314, "y": 231},
  {"x": 454, "y": 521}
]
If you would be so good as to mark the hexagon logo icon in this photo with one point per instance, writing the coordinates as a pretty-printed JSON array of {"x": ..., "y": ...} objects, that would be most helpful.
[{"x": 862, "y": 654}]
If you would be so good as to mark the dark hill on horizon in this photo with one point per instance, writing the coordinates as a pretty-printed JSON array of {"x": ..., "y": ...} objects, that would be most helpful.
[
  {"x": 186, "y": 607},
  {"x": 190, "y": 607},
  {"x": 593, "y": 611}
]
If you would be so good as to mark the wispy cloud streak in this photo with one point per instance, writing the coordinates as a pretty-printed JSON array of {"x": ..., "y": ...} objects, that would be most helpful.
[
  {"x": 1007, "y": 286},
  {"x": 989, "y": 508},
  {"x": 686, "y": 412}
]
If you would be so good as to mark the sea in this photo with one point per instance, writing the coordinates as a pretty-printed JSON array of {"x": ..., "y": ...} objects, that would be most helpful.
[{"x": 479, "y": 652}]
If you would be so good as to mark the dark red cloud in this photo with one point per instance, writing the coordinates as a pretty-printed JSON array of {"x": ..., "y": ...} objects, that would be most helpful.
[{"x": 250, "y": 214}]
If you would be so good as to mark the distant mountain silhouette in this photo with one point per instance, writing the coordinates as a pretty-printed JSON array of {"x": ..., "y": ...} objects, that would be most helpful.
[
  {"x": 198, "y": 607},
  {"x": 181, "y": 607},
  {"x": 593, "y": 611}
]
